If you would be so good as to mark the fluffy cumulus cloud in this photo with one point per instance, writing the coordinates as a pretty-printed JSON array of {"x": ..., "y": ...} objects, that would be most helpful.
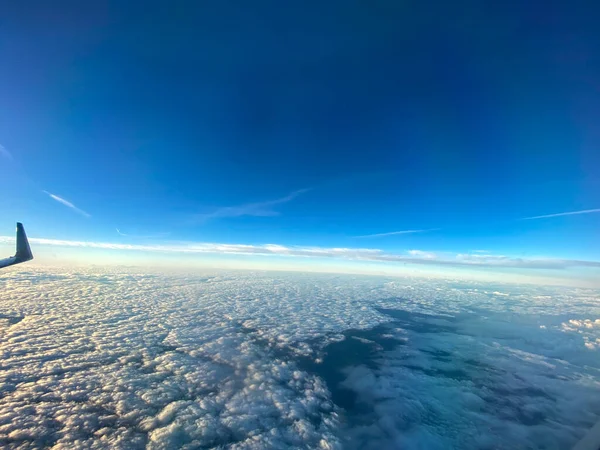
[
  {"x": 588, "y": 328},
  {"x": 112, "y": 359}
]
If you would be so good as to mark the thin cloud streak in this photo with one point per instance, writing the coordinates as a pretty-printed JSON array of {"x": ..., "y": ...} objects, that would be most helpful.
[
  {"x": 393, "y": 233},
  {"x": 4, "y": 152},
  {"x": 148, "y": 236},
  {"x": 354, "y": 254},
  {"x": 258, "y": 209},
  {"x": 571, "y": 213},
  {"x": 67, "y": 204}
]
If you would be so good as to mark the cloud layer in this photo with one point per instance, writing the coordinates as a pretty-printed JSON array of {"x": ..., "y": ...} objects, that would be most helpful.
[
  {"x": 107, "y": 358},
  {"x": 354, "y": 254}
]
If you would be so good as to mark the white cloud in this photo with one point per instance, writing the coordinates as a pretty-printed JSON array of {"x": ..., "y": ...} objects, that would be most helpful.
[
  {"x": 5, "y": 153},
  {"x": 393, "y": 233},
  {"x": 589, "y": 329},
  {"x": 422, "y": 254},
  {"x": 146, "y": 236},
  {"x": 67, "y": 203},
  {"x": 259, "y": 209},
  {"x": 105, "y": 358},
  {"x": 461, "y": 370},
  {"x": 532, "y": 263},
  {"x": 571, "y": 213},
  {"x": 109, "y": 361},
  {"x": 355, "y": 254}
]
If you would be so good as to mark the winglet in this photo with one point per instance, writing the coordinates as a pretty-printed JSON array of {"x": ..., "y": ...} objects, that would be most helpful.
[{"x": 23, "y": 250}]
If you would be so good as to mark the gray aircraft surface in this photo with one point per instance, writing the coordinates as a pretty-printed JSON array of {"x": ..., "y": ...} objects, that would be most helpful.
[{"x": 23, "y": 250}]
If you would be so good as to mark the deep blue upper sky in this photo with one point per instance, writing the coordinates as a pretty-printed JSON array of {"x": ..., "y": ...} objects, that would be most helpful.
[{"x": 153, "y": 116}]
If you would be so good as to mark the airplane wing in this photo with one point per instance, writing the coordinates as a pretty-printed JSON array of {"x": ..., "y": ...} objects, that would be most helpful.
[{"x": 23, "y": 250}]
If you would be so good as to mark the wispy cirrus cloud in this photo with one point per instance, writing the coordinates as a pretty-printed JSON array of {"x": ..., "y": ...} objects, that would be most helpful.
[
  {"x": 258, "y": 209},
  {"x": 5, "y": 153},
  {"x": 569, "y": 213},
  {"x": 145, "y": 236},
  {"x": 67, "y": 204},
  {"x": 393, "y": 233},
  {"x": 443, "y": 259}
]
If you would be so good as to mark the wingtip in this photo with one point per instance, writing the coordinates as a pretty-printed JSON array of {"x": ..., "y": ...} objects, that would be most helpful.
[{"x": 23, "y": 249}]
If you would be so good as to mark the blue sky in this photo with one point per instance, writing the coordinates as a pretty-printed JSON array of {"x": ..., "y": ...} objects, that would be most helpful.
[{"x": 305, "y": 124}]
